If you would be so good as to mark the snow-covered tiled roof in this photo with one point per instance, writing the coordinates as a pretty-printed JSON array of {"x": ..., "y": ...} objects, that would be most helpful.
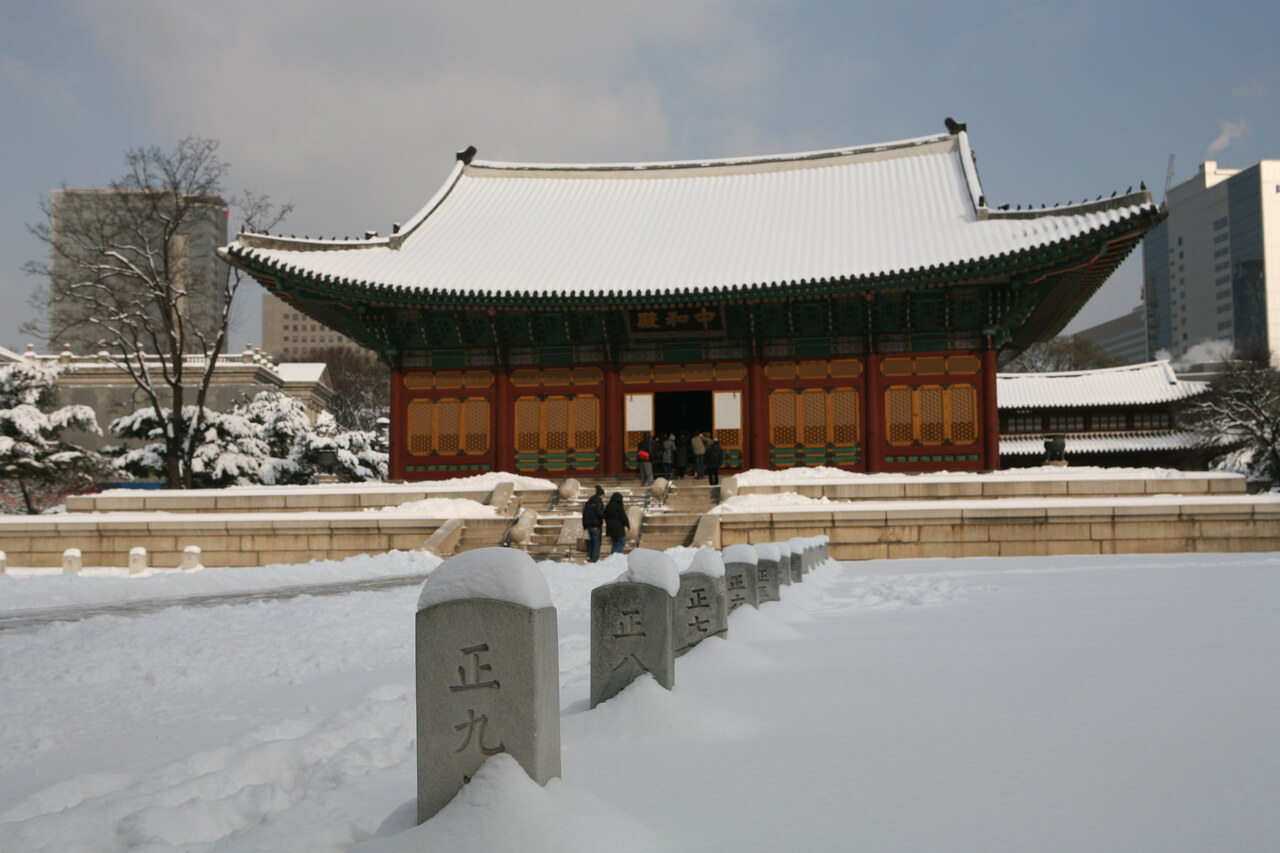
[
  {"x": 1100, "y": 442},
  {"x": 514, "y": 230},
  {"x": 1131, "y": 384},
  {"x": 301, "y": 371}
]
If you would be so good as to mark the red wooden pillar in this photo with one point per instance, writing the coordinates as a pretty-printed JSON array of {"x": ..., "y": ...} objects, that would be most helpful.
[
  {"x": 504, "y": 430},
  {"x": 757, "y": 416},
  {"x": 614, "y": 438},
  {"x": 990, "y": 411},
  {"x": 397, "y": 442},
  {"x": 873, "y": 435}
]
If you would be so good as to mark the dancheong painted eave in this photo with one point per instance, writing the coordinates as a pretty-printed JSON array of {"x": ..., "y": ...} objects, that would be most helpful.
[{"x": 899, "y": 214}]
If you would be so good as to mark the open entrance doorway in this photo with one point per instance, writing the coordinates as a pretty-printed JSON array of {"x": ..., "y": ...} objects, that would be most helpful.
[{"x": 675, "y": 412}]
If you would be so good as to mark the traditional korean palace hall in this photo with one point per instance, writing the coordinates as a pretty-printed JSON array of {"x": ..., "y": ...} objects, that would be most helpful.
[{"x": 847, "y": 308}]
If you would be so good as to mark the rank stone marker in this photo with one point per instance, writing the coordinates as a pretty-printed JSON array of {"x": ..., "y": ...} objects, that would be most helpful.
[
  {"x": 701, "y": 608},
  {"x": 137, "y": 560},
  {"x": 797, "y": 558},
  {"x": 740, "y": 576},
  {"x": 72, "y": 561},
  {"x": 768, "y": 555},
  {"x": 488, "y": 672},
  {"x": 631, "y": 625}
]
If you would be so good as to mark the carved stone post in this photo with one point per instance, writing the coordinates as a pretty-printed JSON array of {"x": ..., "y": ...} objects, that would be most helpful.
[
  {"x": 488, "y": 672},
  {"x": 631, "y": 626},
  {"x": 701, "y": 608},
  {"x": 740, "y": 576},
  {"x": 767, "y": 574}
]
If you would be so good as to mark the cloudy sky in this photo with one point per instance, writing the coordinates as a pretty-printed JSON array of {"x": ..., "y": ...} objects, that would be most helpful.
[{"x": 353, "y": 110}]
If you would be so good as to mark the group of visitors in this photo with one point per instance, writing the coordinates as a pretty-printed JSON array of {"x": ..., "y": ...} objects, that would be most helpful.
[
  {"x": 670, "y": 456},
  {"x": 612, "y": 517}
]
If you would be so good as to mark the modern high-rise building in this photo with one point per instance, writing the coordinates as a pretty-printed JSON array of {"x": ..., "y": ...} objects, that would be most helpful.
[
  {"x": 290, "y": 335},
  {"x": 94, "y": 234},
  {"x": 1211, "y": 270},
  {"x": 1124, "y": 339}
]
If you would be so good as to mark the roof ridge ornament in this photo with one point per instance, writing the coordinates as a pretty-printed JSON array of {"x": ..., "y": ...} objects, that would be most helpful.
[
  {"x": 466, "y": 155},
  {"x": 954, "y": 127}
]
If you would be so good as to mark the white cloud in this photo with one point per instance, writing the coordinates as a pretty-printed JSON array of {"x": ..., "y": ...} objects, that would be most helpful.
[
  {"x": 1232, "y": 131},
  {"x": 354, "y": 110}
]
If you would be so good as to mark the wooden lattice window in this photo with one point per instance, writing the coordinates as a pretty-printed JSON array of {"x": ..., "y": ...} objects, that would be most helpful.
[
  {"x": 586, "y": 420},
  {"x": 449, "y": 426},
  {"x": 931, "y": 414},
  {"x": 814, "y": 409},
  {"x": 964, "y": 414},
  {"x": 844, "y": 416},
  {"x": 782, "y": 418},
  {"x": 933, "y": 429},
  {"x": 814, "y": 417},
  {"x": 549, "y": 424},
  {"x": 528, "y": 425},
  {"x": 898, "y": 415},
  {"x": 419, "y": 426}
]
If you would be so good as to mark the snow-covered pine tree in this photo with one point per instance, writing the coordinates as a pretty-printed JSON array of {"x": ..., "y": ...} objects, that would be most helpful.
[
  {"x": 1242, "y": 407},
  {"x": 32, "y": 449},
  {"x": 269, "y": 440}
]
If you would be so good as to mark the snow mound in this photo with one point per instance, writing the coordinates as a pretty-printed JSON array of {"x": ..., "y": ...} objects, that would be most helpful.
[
  {"x": 503, "y": 809},
  {"x": 752, "y": 503},
  {"x": 707, "y": 562},
  {"x": 441, "y": 508},
  {"x": 741, "y": 554},
  {"x": 655, "y": 568},
  {"x": 768, "y": 551},
  {"x": 499, "y": 574}
]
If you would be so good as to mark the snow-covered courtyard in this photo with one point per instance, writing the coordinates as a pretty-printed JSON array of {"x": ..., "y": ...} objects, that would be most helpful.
[{"x": 1049, "y": 704}]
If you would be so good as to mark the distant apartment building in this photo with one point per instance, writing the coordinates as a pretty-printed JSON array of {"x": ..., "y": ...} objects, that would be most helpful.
[
  {"x": 1211, "y": 270},
  {"x": 288, "y": 334},
  {"x": 85, "y": 224},
  {"x": 1123, "y": 339}
]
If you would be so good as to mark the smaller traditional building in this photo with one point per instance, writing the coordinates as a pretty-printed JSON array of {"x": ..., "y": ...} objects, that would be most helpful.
[
  {"x": 1112, "y": 417},
  {"x": 95, "y": 381}
]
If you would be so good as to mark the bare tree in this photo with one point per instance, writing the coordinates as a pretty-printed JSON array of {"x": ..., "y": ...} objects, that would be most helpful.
[
  {"x": 361, "y": 385},
  {"x": 120, "y": 274},
  {"x": 1242, "y": 407},
  {"x": 1065, "y": 352}
]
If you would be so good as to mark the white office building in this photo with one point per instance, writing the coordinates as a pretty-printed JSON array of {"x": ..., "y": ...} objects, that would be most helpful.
[{"x": 1212, "y": 269}]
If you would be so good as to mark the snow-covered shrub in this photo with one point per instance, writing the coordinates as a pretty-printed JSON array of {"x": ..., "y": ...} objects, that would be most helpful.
[
  {"x": 34, "y": 457},
  {"x": 269, "y": 440}
]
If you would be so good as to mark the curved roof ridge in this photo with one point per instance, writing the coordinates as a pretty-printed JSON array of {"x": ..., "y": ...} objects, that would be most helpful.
[
  {"x": 751, "y": 160},
  {"x": 1094, "y": 371}
]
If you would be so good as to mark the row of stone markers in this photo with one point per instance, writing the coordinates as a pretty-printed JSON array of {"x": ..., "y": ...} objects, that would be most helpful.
[
  {"x": 487, "y": 646},
  {"x": 73, "y": 560}
]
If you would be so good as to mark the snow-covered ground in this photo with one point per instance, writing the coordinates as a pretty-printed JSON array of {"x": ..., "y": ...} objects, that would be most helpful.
[{"x": 1052, "y": 704}]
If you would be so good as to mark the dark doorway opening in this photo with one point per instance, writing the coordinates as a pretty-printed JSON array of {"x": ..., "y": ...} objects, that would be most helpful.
[{"x": 675, "y": 412}]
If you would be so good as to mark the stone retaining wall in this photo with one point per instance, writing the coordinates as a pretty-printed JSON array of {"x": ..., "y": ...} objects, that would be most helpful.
[
  {"x": 267, "y": 499},
  {"x": 229, "y": 539},
  {"x": 883, "y": 487},
  {"x": 1022, "y": 529}
]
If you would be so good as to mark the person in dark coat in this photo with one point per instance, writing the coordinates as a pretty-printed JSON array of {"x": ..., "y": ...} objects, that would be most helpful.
[
  {"x": 616, "y": 523},
  {"x": 592, "y": 521},
  {"x": 714, "y": 456},
  {"x": 644, "y": 458},
  {"x": 682, "y": 454},
  {"x": 668, "y": 455}
]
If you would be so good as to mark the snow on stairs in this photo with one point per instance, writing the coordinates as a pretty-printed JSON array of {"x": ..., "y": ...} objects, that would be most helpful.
[{"x": 675, "y": 522}]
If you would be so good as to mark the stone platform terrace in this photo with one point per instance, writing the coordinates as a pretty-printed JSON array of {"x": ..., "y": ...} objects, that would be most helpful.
[
  {"x": 1040, "y": 512},
  {"x": 1023, "y": 513}
]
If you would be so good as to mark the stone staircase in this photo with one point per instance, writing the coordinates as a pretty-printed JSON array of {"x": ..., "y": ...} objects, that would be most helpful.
[
  {"x": 675, "y": 521},
  {"x": 559, "y": 523}
]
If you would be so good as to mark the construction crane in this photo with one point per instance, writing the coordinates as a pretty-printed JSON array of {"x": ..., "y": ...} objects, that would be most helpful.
[{"x": 1168, "y": 178}]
